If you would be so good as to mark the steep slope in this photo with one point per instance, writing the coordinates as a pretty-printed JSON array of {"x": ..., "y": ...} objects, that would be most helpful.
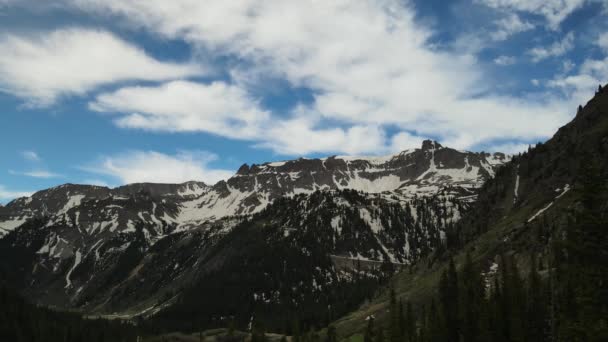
[
  {"x": 520, "y": 212},
  {"x": 308, "y": 259},
  {"x": 68, "y": 261},
  {"x": 59, "y": 202},
  {"x": 418, "y": 172},
  {"x": 133, "y": 249}
]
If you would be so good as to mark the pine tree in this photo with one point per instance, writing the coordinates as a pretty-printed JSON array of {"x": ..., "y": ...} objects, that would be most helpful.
[
  {"x": 402, "y": 321},
  {"x": 535, "y": 306},
  {"x": 258, "y": 333},
  {"x": 472, "y": 297},
  {"x": 512, "y": 301},
  {"x": 583, "y": 287},
  {"x": 394, "y": 324},
  {"x": 369, "y": 332},
  {"x": 331, "y": 334},
  {"x": 448, "y": 297},
  {"x": 410, "y": 324},
  {"x": 380, "y": 334}
]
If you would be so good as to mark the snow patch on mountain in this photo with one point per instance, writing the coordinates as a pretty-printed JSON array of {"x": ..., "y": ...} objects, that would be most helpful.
[
  {"x": 77, "y": 259},
  {"x": 73, "y": 201}
]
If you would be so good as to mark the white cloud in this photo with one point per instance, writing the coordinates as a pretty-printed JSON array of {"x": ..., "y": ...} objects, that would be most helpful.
[
  {"x": 31, "y": 156},
  {"x": 300, "y": 136},
  {"x": 41, "y": 174},
  {"x": 368, "y": 63},
  {"x": 97, "y": 182},
  {"x": 182, "y": 106},
  {"x": 584, "y": 81},
  {"x": 505, "y": 60},
  {"x": 509, "y": 26},
  {"x": 509, "y": 148},
  {"x": 556, "y": 49},
  {"x": 567, "y": 66},
  {"x": 602, "y": 41},
  {"x": 156, "y": 167},
  {"x": 227, "y": 110},
  {"x": 403, "y": 141},
  {"x": 6, "y": 194},
  {"x": 553, "y": 11},
  {"x": 35, "y": 174},
  {"x": 40, "y": 68}
]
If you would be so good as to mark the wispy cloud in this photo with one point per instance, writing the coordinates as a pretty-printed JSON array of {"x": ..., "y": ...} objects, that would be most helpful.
[
  {"x": 97, "y": 182},
  {"x": 30, "y": 156},
  {"x": 505, "y": 60},
  {"x": 510, "y": 25},
  {"x": 553, "y": 11},
  {"x": 602, "y": 41},
  {"x": 7, "y": 194},
  {"x": 509, "y": 148},
  {"x": 44, "y": 66},
  {"x": 183, "y": 106},
  {"x": 156, "y": 167},
  {"x": 556, "y": 49},
  {"x": 36, "y": 174}
]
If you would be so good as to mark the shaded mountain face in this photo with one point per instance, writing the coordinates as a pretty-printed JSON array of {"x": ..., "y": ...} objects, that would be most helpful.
[
  {"x": 538, "y": 180},
  {"x": 527, "y": 209},
  {"x": 135, "y": 248}
]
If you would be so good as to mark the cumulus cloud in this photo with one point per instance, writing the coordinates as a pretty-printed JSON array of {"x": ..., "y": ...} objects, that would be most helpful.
[
  {"x": 510, "y": 25},
  {"x": 228, "y": 110},
  {"x": 156, "y": 167},
  {"x": 182, "y": 106},
  {"x": 582, "y": 82},
  {"x": 505, "y": 60},
  {"x": 42, "y": 67},
  {"x": 404, "y": 141},
  {"x": 300, "y": 136},
  {"x": 556, "y": 49},
  {"x": 368, "y": 64},
  {"x": 553, "y": 11}
]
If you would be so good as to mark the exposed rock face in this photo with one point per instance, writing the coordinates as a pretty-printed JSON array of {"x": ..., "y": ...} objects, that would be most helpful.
[
  {"x": 418, "y": 172},
  {"x": 132, "y": 248}
]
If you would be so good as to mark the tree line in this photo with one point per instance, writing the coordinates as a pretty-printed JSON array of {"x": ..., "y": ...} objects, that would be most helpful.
[{"x": 565, "y": 301}]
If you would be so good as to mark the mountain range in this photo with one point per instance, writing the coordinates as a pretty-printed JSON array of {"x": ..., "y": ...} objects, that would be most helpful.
[
  {"x": 133, "y": 250},
  {"x": 302, "y": 243}
]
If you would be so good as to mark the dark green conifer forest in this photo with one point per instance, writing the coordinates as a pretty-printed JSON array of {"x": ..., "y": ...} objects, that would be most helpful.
[
  {"x": 21, "y": 321},
  {"x": 567, "y": 302}
]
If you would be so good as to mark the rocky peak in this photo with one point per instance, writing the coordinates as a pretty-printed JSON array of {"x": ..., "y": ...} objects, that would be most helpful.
[
  {"x": 243, "y": 170},
  {"x": 430, "y": 145},
  {"x": 411, "y": 173}
]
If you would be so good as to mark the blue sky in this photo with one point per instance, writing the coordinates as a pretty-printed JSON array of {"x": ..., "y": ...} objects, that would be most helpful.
[{"x": 116, "y": 91}]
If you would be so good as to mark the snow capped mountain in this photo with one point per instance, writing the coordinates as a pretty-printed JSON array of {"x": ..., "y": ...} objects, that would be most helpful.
[
  {"x": 418, "y": 172},
  {"x": 102, "y": 208},
  {"x": 426, "y": 171},
  {"x": 121, "y": 249}
]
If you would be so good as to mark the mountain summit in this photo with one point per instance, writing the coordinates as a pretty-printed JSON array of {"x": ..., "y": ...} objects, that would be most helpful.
[{"x": 426, "y": 171}]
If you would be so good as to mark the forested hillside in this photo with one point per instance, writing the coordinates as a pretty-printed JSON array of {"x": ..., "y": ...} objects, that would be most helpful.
[
  {"x": 528, "y": 262},
  {"x": 21, "y": 321}
]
